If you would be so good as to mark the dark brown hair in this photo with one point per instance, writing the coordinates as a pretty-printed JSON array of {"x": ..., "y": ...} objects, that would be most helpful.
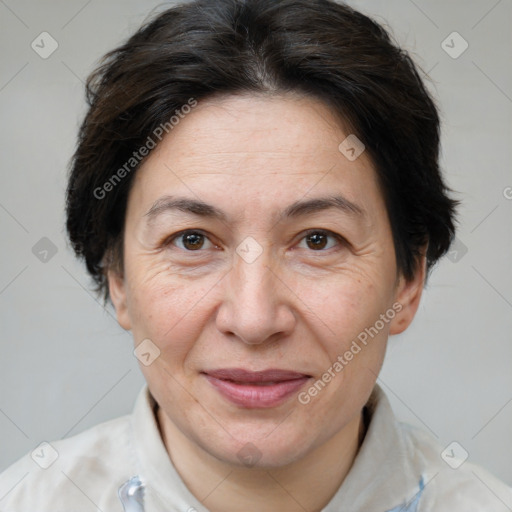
[{"x": 204, "y": 48}]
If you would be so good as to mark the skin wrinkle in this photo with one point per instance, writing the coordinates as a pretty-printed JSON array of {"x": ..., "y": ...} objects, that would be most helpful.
[
  {"x": 156, "y": 223},
  {"x": 291, "y": 308}
]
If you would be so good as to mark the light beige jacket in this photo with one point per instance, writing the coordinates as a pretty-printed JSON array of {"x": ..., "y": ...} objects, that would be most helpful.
[{"x": 398, "y": 469}]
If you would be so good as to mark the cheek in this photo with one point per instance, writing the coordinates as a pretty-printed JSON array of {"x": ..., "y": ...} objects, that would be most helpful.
[
  {"x": 344, "y": 306},
  {"x": 168, "y": 309},
  {"x": 349, "y": 313}
]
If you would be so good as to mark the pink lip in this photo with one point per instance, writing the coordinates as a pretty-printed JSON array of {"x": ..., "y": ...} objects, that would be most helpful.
[{"x": 261, "y": 389}]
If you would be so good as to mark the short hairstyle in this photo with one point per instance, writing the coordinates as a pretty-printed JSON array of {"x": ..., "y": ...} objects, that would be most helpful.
[{"x": 205, "y": 48}]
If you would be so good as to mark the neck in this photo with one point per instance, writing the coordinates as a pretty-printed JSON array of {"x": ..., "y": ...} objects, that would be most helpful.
[{"x": 223, "y": 487}]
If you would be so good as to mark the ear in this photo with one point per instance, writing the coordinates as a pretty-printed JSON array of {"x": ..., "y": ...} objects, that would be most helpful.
[
  {"x": 408, "y": 295},
  {"x": 117, "y": 290}
]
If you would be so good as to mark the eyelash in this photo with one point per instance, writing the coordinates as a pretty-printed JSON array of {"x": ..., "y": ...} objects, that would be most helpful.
[{"x": 331, "y": 234}]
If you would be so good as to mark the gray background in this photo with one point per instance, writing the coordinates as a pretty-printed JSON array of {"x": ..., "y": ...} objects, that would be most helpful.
[{"x": 65, "y": 365}]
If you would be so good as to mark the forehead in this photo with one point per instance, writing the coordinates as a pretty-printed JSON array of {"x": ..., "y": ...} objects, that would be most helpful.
[
  {"x": 254, "y": 128},
  {"x": 257, "y": 151}
]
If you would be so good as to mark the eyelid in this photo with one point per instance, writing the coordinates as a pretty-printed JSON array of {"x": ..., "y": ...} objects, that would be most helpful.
[
  {"x": 339, "y": 238},
  {"x": 170, "y": 239}
]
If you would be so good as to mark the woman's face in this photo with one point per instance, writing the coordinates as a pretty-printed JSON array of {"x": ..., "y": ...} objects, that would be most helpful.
[{"x": 258, "y": 280}]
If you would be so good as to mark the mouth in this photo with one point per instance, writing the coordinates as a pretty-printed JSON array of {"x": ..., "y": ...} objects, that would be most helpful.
[{"x": 256, "y": 390}]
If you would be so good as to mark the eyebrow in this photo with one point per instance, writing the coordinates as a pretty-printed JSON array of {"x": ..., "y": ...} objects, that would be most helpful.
[{"x": 296, "y": 209}]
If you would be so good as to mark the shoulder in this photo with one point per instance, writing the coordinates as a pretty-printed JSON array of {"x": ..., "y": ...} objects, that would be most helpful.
[
  {"x": 451, "y": 481},
  {"x": 78, "y": 473}
]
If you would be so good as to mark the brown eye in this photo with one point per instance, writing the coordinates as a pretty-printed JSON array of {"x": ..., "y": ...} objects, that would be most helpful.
[
  {"x": 190, "y": 240},
  {"x": 193, "y": 241},
  {"x": 318, "y": 240}
]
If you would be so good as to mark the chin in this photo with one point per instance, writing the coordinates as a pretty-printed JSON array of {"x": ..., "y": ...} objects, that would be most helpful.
[{"x": 258, "y": 451}]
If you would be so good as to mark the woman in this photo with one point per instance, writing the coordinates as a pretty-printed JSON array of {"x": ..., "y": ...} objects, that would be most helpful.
[{"x": 256, "y": 189}]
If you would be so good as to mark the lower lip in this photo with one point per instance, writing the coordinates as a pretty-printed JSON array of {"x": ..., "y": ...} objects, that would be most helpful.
[{"x": 257, "y": 397}]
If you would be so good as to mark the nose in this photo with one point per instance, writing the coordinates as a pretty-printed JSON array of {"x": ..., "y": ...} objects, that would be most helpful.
[{"x": 255, "y": 304}]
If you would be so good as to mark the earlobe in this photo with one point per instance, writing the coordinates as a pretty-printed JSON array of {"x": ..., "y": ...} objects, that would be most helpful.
[
  {"x": 408, "y": 295},
  {"x": 117, "y": 290}
]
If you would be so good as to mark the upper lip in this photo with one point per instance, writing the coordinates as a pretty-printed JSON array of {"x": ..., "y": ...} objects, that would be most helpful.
[{"x": 241, "y": 375}]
